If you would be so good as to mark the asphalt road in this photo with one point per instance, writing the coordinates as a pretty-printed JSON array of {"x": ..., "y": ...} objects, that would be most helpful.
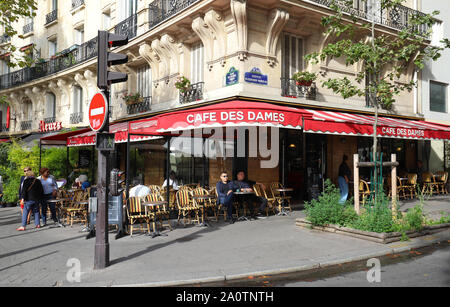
[{"x": 425, "y": 268}]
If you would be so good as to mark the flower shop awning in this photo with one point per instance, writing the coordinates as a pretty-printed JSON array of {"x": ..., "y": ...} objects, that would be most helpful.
[
  {"x": 61, "y": 138},
  {"x": 328, "y": 122}
]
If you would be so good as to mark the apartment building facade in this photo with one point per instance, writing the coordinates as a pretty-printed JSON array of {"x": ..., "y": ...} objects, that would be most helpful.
[{"x": 243, "y": 51}]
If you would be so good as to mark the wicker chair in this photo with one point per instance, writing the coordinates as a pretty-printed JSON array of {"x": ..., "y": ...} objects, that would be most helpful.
[
  {"x": 136, "y": 212},
  {"x": 364, "y": 190},
  {"x": 186, "y": 206},
  {"x": 271, "y": 201},
  {"x": 77, "y": 210},
  {"x": 428, "y": 183},
  {"x": 159, "y": 212},
  {"x": 279, "y": 197},
  {"x": 411, "y": 185},
  {"x": 208, "y": 203},
  {"x": 441, "y": 182}
]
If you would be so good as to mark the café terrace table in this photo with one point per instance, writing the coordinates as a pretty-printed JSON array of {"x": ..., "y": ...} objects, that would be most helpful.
[
  {"x": 201, "y": 202},
  {"x": 59, "y": 202},
  {"x": 243, "y": 218},
  {"x": 283, "y": 190},
  {"x": 154, "y": 204}
]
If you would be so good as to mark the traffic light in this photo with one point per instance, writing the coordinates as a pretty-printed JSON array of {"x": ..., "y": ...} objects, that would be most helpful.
[
  {"x": 115, "y": 182},
  {"x": 106, "y": 59}
]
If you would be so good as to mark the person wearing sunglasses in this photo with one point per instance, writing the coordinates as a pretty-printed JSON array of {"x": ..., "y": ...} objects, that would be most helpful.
[
  {"x": 22, "y": 202},
  {"x": 225, "y": 194}
]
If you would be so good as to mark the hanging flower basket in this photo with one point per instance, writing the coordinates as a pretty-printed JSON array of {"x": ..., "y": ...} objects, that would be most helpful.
[{"x": 183, "y": 84}]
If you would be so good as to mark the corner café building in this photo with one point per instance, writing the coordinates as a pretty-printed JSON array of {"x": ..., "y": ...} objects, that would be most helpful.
[{"x": 271, "y": 142}]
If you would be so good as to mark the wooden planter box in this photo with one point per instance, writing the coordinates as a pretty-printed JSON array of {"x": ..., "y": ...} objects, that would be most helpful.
[{"x": 385, "y": 237}]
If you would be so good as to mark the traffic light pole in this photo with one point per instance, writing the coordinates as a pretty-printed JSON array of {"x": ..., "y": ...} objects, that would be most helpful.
[{"x": 101, "y": 259}]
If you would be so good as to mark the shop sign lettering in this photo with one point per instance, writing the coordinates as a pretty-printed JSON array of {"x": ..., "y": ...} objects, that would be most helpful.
[
  {"x": 43, "y": 127},
  {"x": 402, "y": 132},
  {"x": 225, "y": 116}
]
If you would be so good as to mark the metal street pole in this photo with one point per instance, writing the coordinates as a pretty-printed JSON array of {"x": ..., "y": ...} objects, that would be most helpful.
[{"x": 101, "y": 258}]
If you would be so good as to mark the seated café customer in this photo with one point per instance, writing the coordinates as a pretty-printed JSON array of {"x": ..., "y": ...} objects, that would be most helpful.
[
  {"x": 224, "y": 190},
  {"x": 247, "y": 185},
  {"x": 84, "y": 182},
  {"x": 32, "y": 193},
  {"x": 172, "y": 181}
]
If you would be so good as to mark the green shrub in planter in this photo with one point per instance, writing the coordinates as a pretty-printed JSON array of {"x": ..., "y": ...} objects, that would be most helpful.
[{"x": 327, "y": 210}]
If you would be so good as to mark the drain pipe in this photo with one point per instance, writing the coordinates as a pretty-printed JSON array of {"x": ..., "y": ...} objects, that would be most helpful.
[{"x": 416, "y": 89}]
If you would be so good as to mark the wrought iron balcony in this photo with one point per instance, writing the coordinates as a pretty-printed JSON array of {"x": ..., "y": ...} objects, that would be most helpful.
[
  {"x": 50, "y": 17},
  {"x": 289, "y": 88},
  {"x": 65, "y": 59},
  {"x": 161, "y": 10},
  {"x": 76, "y": 118},
  {"x": 127, "y": 27},
  {"x": 4, "y": 38},
  {"x": 398, "y": 17},
  {"x": 77, "y": 3},
  {"x": 26, "y": 125},
  {"x": 4, "y": 128},
  {"x": 194, "y": 93},
  {"x": 49, "y": 120},
  {"x": 140, "y": 107},
  {"x": 28, "y": 28}
]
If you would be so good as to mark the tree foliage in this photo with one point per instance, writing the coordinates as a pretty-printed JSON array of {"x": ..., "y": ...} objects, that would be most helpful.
[
  {"x": 11, "y": 11},
  {"x": 384, "y": 57}
]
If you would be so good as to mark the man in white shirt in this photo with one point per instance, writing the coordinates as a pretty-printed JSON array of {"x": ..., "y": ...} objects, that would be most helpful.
[{"x": 172, "y": 181}]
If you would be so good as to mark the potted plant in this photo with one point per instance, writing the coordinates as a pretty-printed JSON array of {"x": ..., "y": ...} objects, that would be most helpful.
[
  {"x": 183, "y": 84},
  {"x": 132, "y": 98},
  {"x": 304, "y": 78}
]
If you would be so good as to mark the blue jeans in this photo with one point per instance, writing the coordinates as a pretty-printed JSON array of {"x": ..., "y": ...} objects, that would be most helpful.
[
  {"x": 27, "y": 207},
  {"x": 343, "y": 187},
  {"x": 44, "y": 204},
  {"x": 228, "y": 203}
]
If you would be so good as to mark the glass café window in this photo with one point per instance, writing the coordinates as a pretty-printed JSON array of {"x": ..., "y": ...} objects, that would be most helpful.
[{"x": 438, "y": 97}]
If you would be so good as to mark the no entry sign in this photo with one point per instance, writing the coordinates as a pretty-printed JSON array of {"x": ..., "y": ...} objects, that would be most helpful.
[{"x": 98, "y": 111}]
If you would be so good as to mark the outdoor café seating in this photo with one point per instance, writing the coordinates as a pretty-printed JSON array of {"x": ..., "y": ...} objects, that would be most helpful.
[
  {"x": 364, "y": 190},
  {"x": 187, "y": 206},
  {"x": 280, "y": 197},
  {"x": 429, "y": 183},
  {"x": 271, "y": 201},
  {"x": 441, "y": 182},
  {"x": 136, "y": 212}
]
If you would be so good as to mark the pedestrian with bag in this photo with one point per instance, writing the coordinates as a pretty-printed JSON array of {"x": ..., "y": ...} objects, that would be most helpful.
[
  {"x": 31, "y": 193},
  {"x": 22, "y": 202},
  {"x": 50, "y": 189}
]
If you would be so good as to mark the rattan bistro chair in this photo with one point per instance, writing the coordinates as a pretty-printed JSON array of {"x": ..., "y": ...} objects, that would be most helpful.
[
  {"x": 441, "y": 182},
  {"x": 428, "y": 183},
  {"x": 76, "y": 210},
  {"x": 279, "y": 197},
  {"x": 137, "y": 213},
  {"x": 159, "y": 212},
  {"x": 208, "y": 203},
  {"x": 364, "y": 190},
  {"x": 411, "y": 185},
  {"x": 186, "y": 206},
  {"x": 261, "y": 192}
]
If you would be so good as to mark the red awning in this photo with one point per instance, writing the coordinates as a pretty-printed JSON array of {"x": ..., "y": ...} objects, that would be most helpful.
[
  {"x": 353, "y": 124},
  {"x": 227, "y": 114},
  {"x": 61, "y": 138}
]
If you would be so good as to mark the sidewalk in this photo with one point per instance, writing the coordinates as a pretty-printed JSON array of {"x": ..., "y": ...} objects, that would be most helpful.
[{"x": 186, "y": 255}]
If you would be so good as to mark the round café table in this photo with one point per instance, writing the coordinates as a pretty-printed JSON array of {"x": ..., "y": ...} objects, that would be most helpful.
[
  {"x": 153, "y": 205},
  {"x": 283, "y": 190},
  {"x": 201, "y": 202},
  {"x": 243, "y": 217}
]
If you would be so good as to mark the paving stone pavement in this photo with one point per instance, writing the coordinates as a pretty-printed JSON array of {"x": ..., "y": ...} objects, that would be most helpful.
[{"x": 41, "y": 257}]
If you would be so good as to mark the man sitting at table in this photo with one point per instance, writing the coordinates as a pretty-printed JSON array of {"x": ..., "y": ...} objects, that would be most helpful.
[
  {"x": 224, "y": 190},
  {"x": 247, "y": 185}
]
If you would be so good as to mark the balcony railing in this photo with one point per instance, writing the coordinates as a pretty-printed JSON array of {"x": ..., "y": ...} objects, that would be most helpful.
[
  {"x": 4, "y": 38},
  {"x": 76, "y": 118},
  {"x": 289, "y": 88},
  {"x": 28, "y": 28},
  {"x": 161, "y": 10},
  {"x": 398, "y": 17},
  {"x": 140, "y": 107},
  {"x": 50, "y": 17},
  {"x": 49, "y": 120},
  {"x": 4, "y": 128},
  {"x": 26, "y": 125},
  {"x": 77, "y": 3},
  {"x": 67, "y": 58},
  {"x": 127, "y": 27},
  {"x": 194, "y": 93}
]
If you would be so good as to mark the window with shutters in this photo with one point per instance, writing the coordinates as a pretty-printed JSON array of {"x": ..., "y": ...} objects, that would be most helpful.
[
  {"x": 144, "y": 81},
  {"x": 438, "y": 97},
  {"x": 197, "y": 63},
  {"x": 292, "y": 55}
]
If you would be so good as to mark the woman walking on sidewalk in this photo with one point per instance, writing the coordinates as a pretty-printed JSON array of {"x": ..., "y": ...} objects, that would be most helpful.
[{"x": 32, "y": 192}]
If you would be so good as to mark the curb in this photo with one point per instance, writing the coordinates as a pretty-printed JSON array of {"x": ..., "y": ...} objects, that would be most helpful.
[{"x": 314, "y": 265}]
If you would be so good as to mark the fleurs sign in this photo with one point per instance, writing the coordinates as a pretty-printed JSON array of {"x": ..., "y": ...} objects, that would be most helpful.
[
  {"x": 43, "y": 127},
  {"x": 255, "y": 76}
]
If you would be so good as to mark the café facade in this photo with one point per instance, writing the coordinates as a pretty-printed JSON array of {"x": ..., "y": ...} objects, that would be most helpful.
[{"x": 270, "y": 141}]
